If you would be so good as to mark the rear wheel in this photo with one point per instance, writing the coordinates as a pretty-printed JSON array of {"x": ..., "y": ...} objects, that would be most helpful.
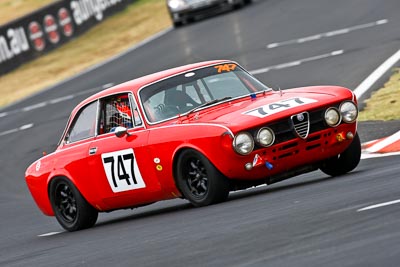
[
  {"x": 72, "y": 211},
  {"x": 344, "y": 162},
  {"x": 199, "y": 181}
]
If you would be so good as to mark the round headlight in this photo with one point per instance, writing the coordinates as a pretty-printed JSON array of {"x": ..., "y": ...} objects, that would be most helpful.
[
  {"x": 332, "y": 117},
  {"x": 243, "y": 143},
  {"x": 349, "y": 111},
  {"x": 265, "y": 137}
]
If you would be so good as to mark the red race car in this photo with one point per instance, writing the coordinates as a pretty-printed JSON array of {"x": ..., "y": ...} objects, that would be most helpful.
[{"x": 196, "y": 132}]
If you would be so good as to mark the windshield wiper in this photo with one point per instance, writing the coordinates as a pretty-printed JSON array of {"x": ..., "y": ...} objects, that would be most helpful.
[{"x": 209, "y": 103}]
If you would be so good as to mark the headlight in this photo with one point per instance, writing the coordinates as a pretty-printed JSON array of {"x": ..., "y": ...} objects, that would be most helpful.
[
  {"x": 176, "y": 4},
  {"x": 243, "y": 143},
  {"x": 349, "y": 111},
  {"x": 332, "y": 117},
  {"x": 265, "y": 137}
]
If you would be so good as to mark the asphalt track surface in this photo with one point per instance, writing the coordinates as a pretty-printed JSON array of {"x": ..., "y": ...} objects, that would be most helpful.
[{"x": 310, "y": 220}]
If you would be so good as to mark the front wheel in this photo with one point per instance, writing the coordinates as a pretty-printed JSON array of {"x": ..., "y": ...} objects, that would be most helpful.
[
  {"x": 71, "y": 209},
  {"x": 344, "y": 162},
  {"x": 199, "y": 181},
  {"x": 239, "y": 4}
]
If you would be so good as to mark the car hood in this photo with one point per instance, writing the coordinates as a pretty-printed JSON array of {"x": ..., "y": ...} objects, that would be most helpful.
[{"x": 267, "y": 107}]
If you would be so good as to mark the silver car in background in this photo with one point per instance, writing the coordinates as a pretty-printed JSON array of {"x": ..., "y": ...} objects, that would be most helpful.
[{"x": 185, "y": 11}]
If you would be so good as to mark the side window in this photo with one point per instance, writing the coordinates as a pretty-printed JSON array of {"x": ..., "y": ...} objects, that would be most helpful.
[
  {"x": 136, "y": 115},
  {"x": 115, "y": 111},
  {"x": 84, "y": 124}
]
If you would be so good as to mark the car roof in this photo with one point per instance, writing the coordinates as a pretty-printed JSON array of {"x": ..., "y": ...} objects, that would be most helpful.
[{"x": 136, "y": 84}]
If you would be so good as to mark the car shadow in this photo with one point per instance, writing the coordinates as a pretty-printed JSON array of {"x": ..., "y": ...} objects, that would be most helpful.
[
  {"x": 146, "y": 214},
  {"x": 234, "y": 196},
  {"x": 252, "y": 192},
  {"x": 277, "y": 187}
]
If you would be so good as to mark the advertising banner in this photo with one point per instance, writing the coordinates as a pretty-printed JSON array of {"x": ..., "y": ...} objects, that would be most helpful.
[{"x": 37, "y": 33}]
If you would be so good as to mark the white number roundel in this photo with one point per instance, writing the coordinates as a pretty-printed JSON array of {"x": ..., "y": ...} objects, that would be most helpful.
[{"x": 122, "y": 170}]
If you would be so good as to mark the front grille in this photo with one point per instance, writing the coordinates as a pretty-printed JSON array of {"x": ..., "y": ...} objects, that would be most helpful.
[
  {"x": 301, "y": 124},
  {"x": 291, "y": 127}
]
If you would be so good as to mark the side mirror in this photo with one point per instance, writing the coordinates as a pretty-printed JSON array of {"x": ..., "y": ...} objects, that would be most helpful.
[{"x": 121, "y": 132}]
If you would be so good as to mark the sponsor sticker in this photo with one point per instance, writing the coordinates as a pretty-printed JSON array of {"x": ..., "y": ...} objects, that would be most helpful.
[
  {"x": 225, "y": 68},
  {"x": 257, "y": 161}
]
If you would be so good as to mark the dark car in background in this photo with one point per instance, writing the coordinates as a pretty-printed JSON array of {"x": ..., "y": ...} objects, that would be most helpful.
[{"x": 184, "y": 11}]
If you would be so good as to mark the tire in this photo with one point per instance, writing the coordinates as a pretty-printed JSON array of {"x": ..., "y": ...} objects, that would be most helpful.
[
  {"x": 344, "y": 162},
  {"x": 239, "y": 4},
  {"x": 178, "y": 24},
  {"x": 72, "y": 211},
  {"x": 199, "y": 181}
]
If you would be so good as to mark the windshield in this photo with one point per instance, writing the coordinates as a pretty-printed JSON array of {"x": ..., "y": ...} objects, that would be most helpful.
[{"x": 180, "y": 94}]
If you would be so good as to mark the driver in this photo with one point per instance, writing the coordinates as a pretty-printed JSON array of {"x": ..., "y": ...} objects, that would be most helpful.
[{"x": 122, "y": 115}]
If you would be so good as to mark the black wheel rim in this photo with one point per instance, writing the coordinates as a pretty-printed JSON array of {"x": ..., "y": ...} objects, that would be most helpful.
[
  {"x": 66, "y": 203},
  {"x": 197, "y": 178}
]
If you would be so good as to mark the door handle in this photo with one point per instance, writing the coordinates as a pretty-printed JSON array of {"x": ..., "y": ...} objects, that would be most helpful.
[{"x": 92, "y": 150}]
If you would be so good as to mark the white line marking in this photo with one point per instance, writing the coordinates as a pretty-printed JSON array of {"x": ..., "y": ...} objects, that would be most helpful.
[
  {"x": 379, "y": 155},
  {"x": 309, "y": 38},
  {"x": 108, "y": 85},
  {"x": 287, "y": 65},
  {"x": 327, "y": 34},
  {"x": 380, "y": 205},
  {"x": 273, "y": 45},
  {"x": 382, "y": 21},
  {"x": 8, "y": 132},
  {"x": 296, "y": 63},
  {"x": 49, "y": 234},
  {"x": 38, "y": 105},
  {"x": 384, "y": 143},
  {"x": 26, "y": 126},
  {"x": 3, "y": 114},
  {"x": 334, "y": 33},
  {"x": 376, "y": 75},
  {"x": 22, "y": 128},
  {"x": 61, "y": 99}
]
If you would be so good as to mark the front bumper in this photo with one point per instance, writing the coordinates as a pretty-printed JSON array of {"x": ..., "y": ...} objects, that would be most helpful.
[
  {"x": 202, "y": 9},
  {"x": 289, "y": 156}
]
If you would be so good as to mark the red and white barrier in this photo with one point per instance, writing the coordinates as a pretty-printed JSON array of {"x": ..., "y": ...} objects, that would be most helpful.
[{"x": 388, "y": 144}]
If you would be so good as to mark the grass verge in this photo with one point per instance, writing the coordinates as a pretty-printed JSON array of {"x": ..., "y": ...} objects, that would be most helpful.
[
  {"x": 384, "y": 104},
  {"x": 137, "y": 22},
  {"x": 12, "y": 9}
]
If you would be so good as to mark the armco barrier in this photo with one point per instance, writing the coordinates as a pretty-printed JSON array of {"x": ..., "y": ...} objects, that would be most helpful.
[{"x": 37, "y": 33}]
